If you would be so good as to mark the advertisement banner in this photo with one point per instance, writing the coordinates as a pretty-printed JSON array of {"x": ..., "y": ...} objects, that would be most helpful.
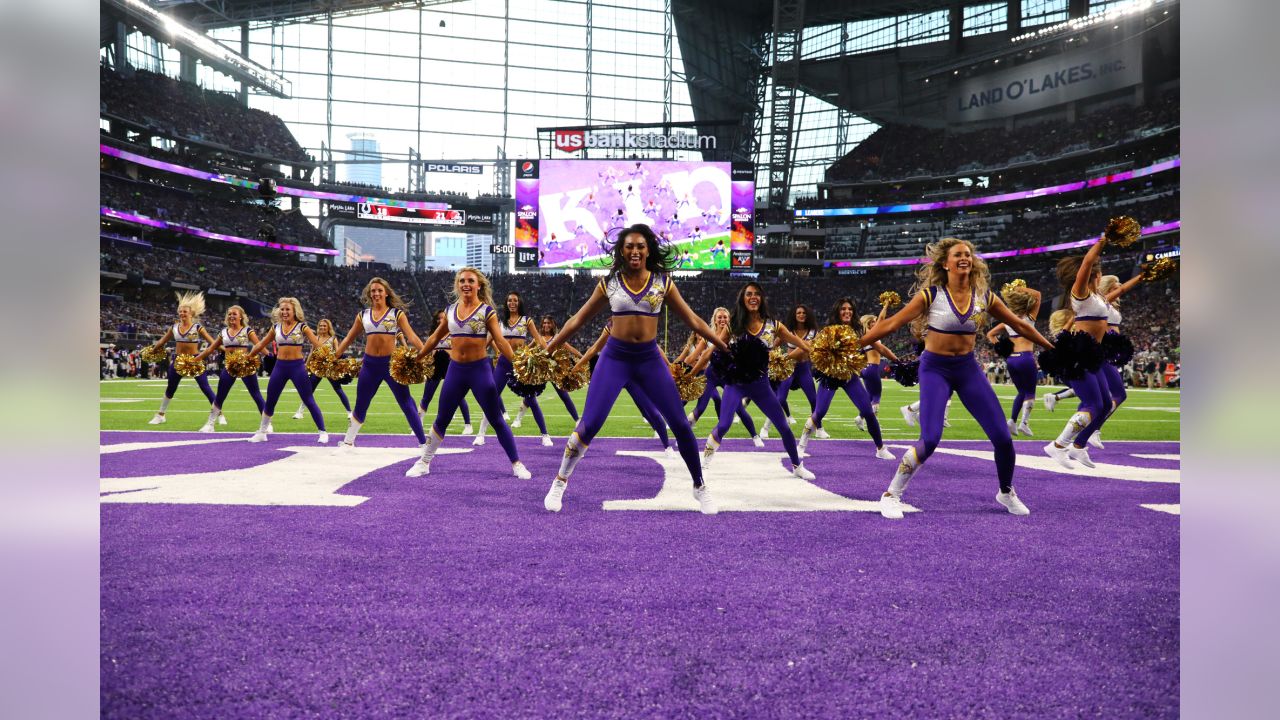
[
  {"x": 1044, "y": 83},
  {"x": 526, "y": 231}
]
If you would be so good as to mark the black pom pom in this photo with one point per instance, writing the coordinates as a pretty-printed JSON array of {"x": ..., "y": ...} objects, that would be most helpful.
[
  {"x": 441, "y": 366},
  {"x": 746, "y": 361},
  {"x": 906, "y": 372},
  {"x": 1117, "y": 349},
  {"x": 524, "y": 391},
  {"x": 1075, "y": 354},
  {"x": 346, "y": 380},
  {"x": 1004, "y": 346},
  {"x": 826, "y": 381}
]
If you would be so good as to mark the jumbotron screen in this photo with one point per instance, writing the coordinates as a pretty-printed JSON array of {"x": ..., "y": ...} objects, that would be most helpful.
[{"x": 569, "y": 211}]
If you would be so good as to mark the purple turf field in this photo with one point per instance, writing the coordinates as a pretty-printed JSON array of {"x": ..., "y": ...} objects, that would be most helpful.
[{"x": 274, "y": 580}]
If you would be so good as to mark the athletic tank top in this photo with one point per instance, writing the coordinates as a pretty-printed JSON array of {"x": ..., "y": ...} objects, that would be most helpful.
[
  {"x": 293, "y": 338},
  {"x": 945, "y": 317},
  {"x": 474, "y": 325},
  {"x": 239, "y": 340},
  {"x": 647, "y": 301},
  {"x": 768, "y": 333},
  {"x": 388, "y": 324},
  {"x": 519, "y": 331},
  {"x": 1113, "y": 316},
  {"x": 1093, "y": 307},
  {"x": 192, "y": 335},
  {"x": 1014, "y": 333}
]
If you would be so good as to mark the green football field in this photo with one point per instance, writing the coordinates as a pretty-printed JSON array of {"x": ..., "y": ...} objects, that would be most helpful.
[
  {"x": 129, "y": 404},
  {"x": 700, "y": 250}
]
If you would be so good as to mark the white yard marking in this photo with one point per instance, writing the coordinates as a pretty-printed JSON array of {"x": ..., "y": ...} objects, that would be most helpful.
[
  {"x": 127, "y": 447},
  {"x": 1174, "y": 509},
  {"x": 741, "y": 482},
  {"x": 1038, "y": 461},
  {"x": 1158, "y": 456}
]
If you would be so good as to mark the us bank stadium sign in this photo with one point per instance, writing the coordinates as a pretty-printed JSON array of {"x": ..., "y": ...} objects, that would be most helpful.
[{"x": 1044, "y": 83}]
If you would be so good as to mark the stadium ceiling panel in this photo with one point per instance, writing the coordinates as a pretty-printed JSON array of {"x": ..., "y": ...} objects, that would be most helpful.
[{"x": 222, "y": 13}]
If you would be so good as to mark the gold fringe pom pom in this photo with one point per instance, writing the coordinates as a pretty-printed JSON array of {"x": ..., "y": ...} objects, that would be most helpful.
[
  {"x": 240, "y": 364},
  {"x": 320, "y": 361},
  {"x": 837, "y": 352},
  {"x": 780, "y": 366},
  {"x": 153, "y": 354},
  {"x": 406, "y": 369},
  {"x": 564, "y": 362},
  {"x": 1122, "y": 231},
  {"x": 188, "y": 366},
  {"x": 572, "y": 381},
  {"x": 890, "y": 299},
  {"x": 690, "y": 385},
  {"x": 533, "y": 366},
  {"x": 1013, "y": 285},
  {"x": 345, "y": 369},
  {"x": 1159, "y": 270}
]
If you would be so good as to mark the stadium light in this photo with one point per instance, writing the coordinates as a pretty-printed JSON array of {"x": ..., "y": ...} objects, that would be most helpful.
[{"x": 1112, "y": 15}]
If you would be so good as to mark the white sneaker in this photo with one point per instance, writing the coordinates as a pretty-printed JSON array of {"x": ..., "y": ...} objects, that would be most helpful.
[
  {"x": 822, "y": 434},
  {"x": 506, "y": 416},
  {"x": 516, "y": 424},
  {"x": 1095, "y": 440},
  {"x": 553, "y": 500},
  {"x": 344, "y": 448},
  {"x": 1011, "y": 502},
  {"x": 690, "y": 418},
  {"x": 207, "y": 427},
  {"x": 791, "y": 420},
  {"x": 546, "y": 441},
  {"x": 802, "y": 472},
  {"x": 764, "y": 435},
  {"x": 258, "y": 437},
  {"x": 1081, "y": 455},
  {"x": 1012, "y": 429},
  {"x": 466, "y": 429},
  {"x": 418, "y": 469},
  {"x": 1059, "y": 454},
  {"x": 946, "y": 421},
  {"x": 323, "y": 439},
  {"x": 706, "y": 505},
  {"x": 884, "y": 454},
  {"x": 222, "y": 419},
  {"x": 802, "y": 443},
  {"x": 912, "y": 418},
  {"x": 271, "y": 428},
  {"x": 520, "y": 470},
  {"x": 298, "y": 415},
  {"x": 862, "y": 424},
  {"x": 478, "y": 441},
  {"x": 890, "y": 507},
  {"x": 1025, "y": 429},
  {"x": 159, "y": 419},
  {"x": 670, "y": 451},
  {"x": 1050, "y": 401},
  {"x": 757, "y": 441}
]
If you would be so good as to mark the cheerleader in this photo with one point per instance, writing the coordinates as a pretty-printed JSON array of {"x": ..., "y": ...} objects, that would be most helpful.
[
  {"x": 469, "y": 322},
  {"x": 548, "y": 328},
  {"x": 1025, "y": 303},
  {"x": 955, "y": 277},
  {"x": 720, "y": 324},
  {"x": 873, "y": 373},
  {"x": 517, "y": 329},
  {"x": 324, "y": 332},
  {"x": 433, "y": 382},
  {"x": 751, "y": 317},
  {"x": 647, "y": 409},
  {"x": 631, "y": 353},
  {"x": 289, "y": 329},
  {"x": 805, "y": 326},
  {"x": 185, "y": 341},
  {"x": 236, "y": 335},
  {"x": 843, "y": 313},
  {"x": 382, "y": 319}
]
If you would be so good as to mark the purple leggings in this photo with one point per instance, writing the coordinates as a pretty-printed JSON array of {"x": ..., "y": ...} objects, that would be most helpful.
[
  {"x": 649, "y": 412},
  {"x": 712, "y": 396},
  {"x": 642, "y": 366},
  {"x": 429, "y": 392},
  {"x": 173, "y": 377},
  {"x": 861, "y": 400},
  {"x": 501, "y": 372},
  {"x": 871, "y": 375},
  {"x": 476, "y": 377},
  {"x": 295, "y": 371},
  {"x": 1095, "y": 399},
  {"x": 225, "y": 383},
  {"x": 315, "y": 383},
  {"x": 762, "y": 394},
  {"x": 375, "y": 370},
  {"x": 1022, "y": 370},
  {"x": 802, "y": 378},
  {"x": 568, "y": 403},
  {"x": 941, "y": 375}
]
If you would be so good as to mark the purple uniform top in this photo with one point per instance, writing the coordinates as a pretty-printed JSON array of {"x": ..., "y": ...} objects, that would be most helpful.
[
  {"x": 945, "y": 317},
  {"x": 646, "y": 301}
]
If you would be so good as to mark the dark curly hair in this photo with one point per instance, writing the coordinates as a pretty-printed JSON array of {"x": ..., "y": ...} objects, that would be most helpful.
[
  {"x": 740, "y": 316},
  {"x": 800, "y": 328},
  {"x": 661, "y": 256}
]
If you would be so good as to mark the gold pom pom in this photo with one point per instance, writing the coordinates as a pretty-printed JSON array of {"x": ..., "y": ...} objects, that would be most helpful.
[
  {"x": 690, "y": 385},
  {"x": 533, "y": 366},
  {"x": 780, "y": 366},
  {"x": 240, "y": 364},
  {"x": 407, "y": 369},
  {"x": 188, "y": 366},
  {"x": 1012, "y": 285},
  {"x": 1122, "y": 231},
  {"x": 890, "y": 299},
  {"x": 837, "y": 352},
  {"x": 1159, "y": 270},
  {"x": 345, "y": 368},
  {"x": 563, "y": 364},
  {"x": 572, "y": 381},
  {"x": 153, "y": 354},
  {"x": 320, "y": 361}
]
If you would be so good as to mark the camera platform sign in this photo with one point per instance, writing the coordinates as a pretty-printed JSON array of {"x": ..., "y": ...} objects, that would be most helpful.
[{"x": 455, "y": 168}]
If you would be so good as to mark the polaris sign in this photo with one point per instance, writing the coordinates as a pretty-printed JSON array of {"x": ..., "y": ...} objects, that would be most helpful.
[
  {"x": 571, "y": 141},
  {"x": 451, "y": 168}
]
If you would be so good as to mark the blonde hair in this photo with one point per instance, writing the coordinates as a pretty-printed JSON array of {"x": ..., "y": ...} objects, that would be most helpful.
[
  {"x": 393, "y": 300},
  {"x": 244, "y": 318},
  {"x": 1019, "y": 301},
  {"x": 1059, "y": 320},
  {"x": 720, "y": 309},
  {"x": 193, "y": 301},
  {"x": 865, "y": 321},
  {"x": 1108, "y": 283},
  {"x": 934, "y": 273},
  {"x": 297, "y": 310},
  {"x": 321, "y": 323},
  {"x": 486, "y": 290}
]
